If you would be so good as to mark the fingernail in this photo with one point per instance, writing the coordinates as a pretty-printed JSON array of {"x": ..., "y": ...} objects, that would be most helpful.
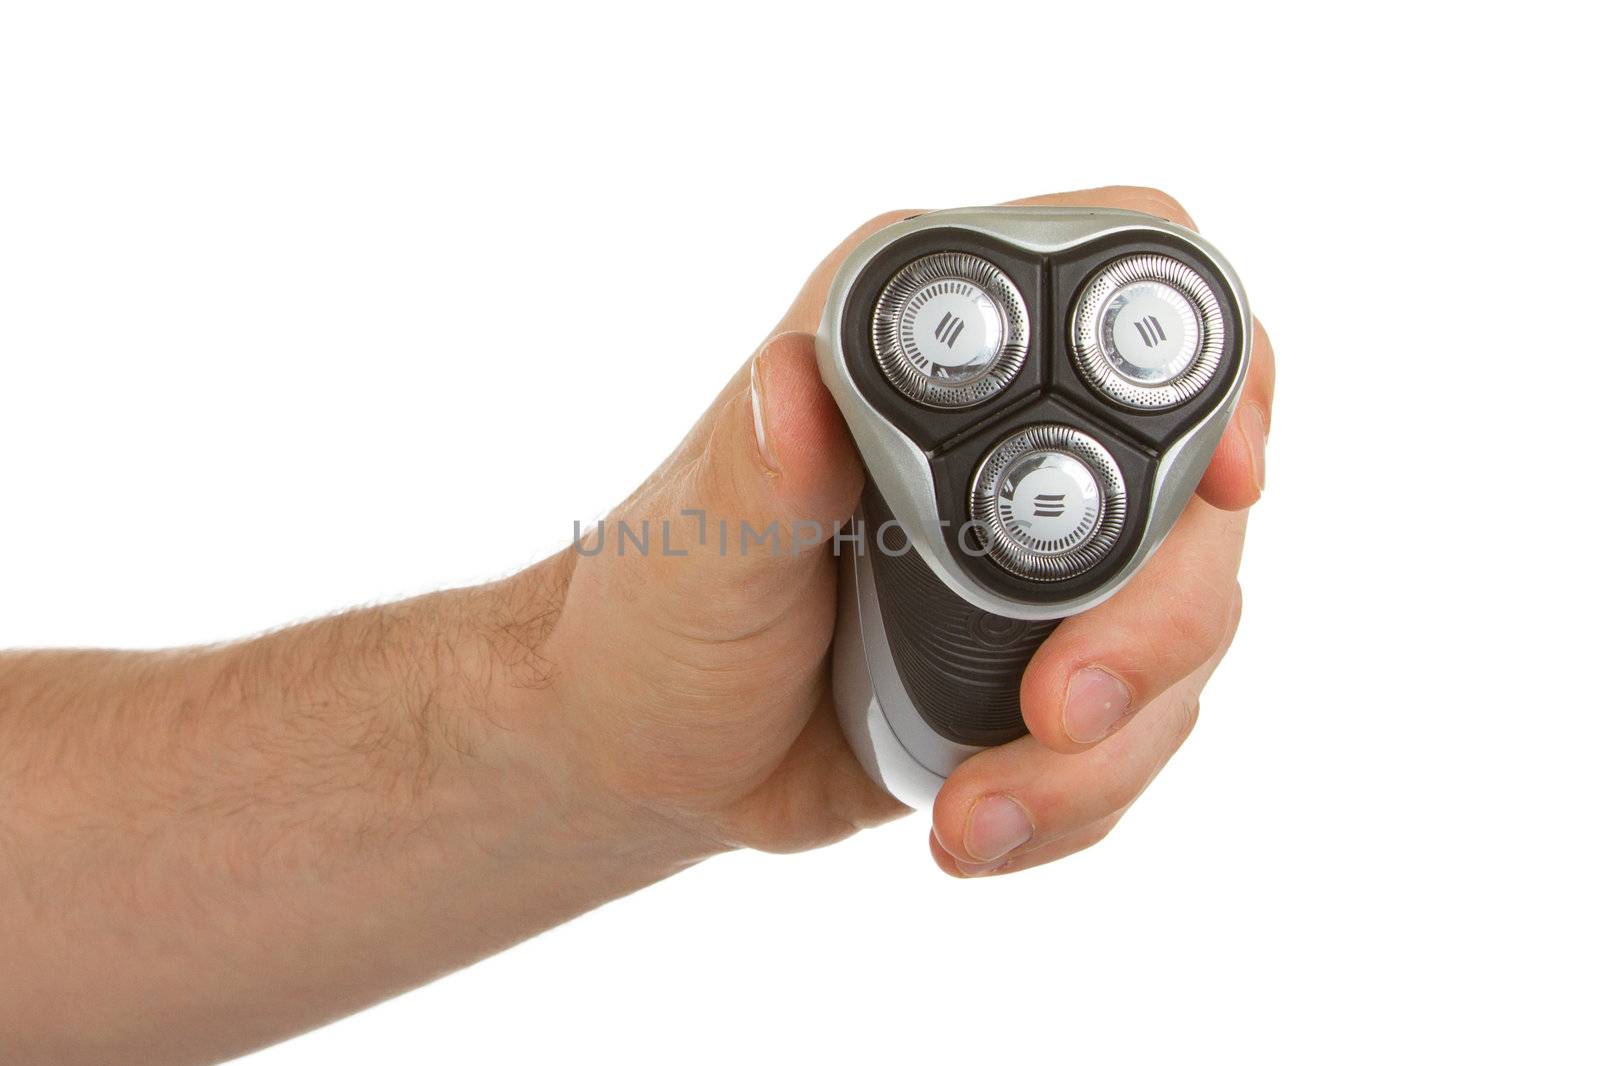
[
  {"x": 997, "y": 826},
  {"x": 762, "y": 444},
  {"x": 1096, "y": 701},
  {"x": 1255, "y": 436},
  {"x": 978, "y": 869}
]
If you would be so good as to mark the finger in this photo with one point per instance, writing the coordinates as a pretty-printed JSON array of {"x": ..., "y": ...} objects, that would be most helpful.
[
  {"x": 1020, "y": 796},
  {"x": 1097, "y": 669},
  {"x": 1238, "y": 471},
  {"x": 1013, "y": 800},
  {"x": 1024, "y": 858},
  {"x": 1115, "y": 197},
  {"x": 1069, "y": 844},
  {"x": 743, "y": 514}
]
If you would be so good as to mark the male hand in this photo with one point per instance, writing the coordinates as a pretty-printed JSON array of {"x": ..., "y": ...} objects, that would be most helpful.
[{"x": 697, "y": 686}]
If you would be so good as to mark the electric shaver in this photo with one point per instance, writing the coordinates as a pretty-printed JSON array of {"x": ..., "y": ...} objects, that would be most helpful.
[{"x": 1035, "y": 393}]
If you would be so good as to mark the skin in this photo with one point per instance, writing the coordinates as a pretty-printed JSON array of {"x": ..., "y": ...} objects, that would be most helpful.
[{"x": 211, "y": 849}]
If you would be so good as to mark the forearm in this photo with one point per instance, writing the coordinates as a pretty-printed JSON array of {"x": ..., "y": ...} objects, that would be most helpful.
[{"x": 207, "y": 850}]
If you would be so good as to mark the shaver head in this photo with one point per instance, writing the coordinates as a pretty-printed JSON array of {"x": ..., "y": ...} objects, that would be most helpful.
[
  {"x": 950, "y": 330},
  {"x": 1035, "y": 393},
  {"x": 1049, "y": 503}
]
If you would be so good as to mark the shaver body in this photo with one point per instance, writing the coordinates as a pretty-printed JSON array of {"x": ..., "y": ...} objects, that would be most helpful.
[{"x": 1035, "y": 393}]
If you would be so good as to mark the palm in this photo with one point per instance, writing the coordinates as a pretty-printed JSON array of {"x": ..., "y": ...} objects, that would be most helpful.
[{"x": 732, "y": 719}]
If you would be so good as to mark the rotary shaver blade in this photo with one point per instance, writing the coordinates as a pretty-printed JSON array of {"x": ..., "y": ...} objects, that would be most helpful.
[
  {"x": 1050, "y": 502},
  {"x": 1147, "y": 332},
  {"x": 950, "y": 330}
]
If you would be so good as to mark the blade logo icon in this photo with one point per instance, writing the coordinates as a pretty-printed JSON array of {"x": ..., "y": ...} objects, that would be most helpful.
[
  {"x": 1150, "y": 330},
  {"x": 949, "y": 328},
  {"x": 1049, "y": 505}
]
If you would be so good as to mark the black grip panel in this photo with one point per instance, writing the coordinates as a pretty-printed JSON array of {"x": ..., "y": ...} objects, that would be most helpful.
[{"x": 961, "y": 665}]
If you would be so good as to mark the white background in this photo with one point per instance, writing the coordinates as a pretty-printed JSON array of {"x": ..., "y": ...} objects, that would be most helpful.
[{"x": 306, "y": 305}]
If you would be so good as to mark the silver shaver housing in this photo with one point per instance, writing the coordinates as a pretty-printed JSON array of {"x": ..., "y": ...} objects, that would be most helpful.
[{"x": 906, "y": 749}]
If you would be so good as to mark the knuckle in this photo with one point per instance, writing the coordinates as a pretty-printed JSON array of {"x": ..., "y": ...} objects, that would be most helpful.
[
  {"x": 1188, "y": 716},
  {"x": 1119, "y": 792},
  {"x": 1197, "y": 627},
  {"x": 883, "y": 220},
  {"x": 1095, "y": 834},
  {"x": 1160, "y": 202}
]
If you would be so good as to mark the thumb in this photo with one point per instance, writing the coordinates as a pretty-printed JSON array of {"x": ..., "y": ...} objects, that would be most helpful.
[
  {"x": 742, "y": 517},
  {"x": 805, "y": 466}
]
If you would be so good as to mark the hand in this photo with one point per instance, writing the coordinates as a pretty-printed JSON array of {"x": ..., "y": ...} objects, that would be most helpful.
[{"x": 696, "y": 687}]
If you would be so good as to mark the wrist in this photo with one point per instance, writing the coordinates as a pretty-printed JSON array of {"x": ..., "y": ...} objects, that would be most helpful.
[{"x": 527, "y": 708}]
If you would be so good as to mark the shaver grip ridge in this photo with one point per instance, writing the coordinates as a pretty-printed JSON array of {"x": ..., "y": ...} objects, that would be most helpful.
[{"x": 961, "y": 665}]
